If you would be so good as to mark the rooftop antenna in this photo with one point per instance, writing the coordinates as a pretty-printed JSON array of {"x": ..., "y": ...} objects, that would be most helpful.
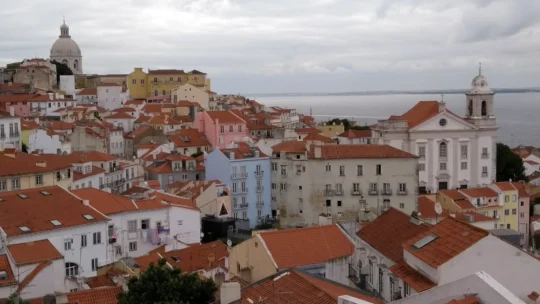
[{"x": 442, "y": 97}]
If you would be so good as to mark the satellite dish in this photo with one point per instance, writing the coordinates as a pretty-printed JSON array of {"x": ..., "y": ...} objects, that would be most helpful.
[
  {"x": 438, "y": 208},
  {"x": 229, "y": 243}
]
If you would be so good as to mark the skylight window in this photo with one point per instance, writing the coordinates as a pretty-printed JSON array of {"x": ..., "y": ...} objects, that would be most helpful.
[
  {"x": 424, "y": 241},
  {"x": 88, "y": 217},
  {"x": 45, "y": 193},
  {"x": 56, "y": 223},
  {"x": 25, "y": 229},
  {"x": 3, "y": 275},
  {"x": 1, "y": 200},
  {"x": 23, "y": 196}
]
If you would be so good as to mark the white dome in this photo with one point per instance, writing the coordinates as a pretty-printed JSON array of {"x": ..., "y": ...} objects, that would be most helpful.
[
  {"x": 480, "y": 84},
  {"x": 65, "y": 47}
]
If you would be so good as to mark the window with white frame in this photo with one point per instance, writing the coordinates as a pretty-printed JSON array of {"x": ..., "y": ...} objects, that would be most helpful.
[
  {"x": 362, "y": 205},
  {"x": 283, "y": 169},
  {"x": 342, "y": 170},
  {"x": 464, "y": 165},
  {"x": 95, "y": 264},
  {"x": 421, "y": 167},
  {"x": 484, "y": 171},
  {"x": 356, "y": 187},
  {"x": 443, "y": 150},
  {"x": 422, "y": 151},
  {"x": 378, "y": 169},
  {"x": 132, "y": 226},
  {"x": 402, "y": 187},
  {"x": 84, "y": 240},
  {"x": 442, "y": 166},
  {"x": 328, "y": 168},
  {"x": 96, "y": 237},
  {"x": 464, "y": 151},
  {"x": 359, "y": 170},
  {"x": 67, "y": 244},
  {"x": 72, "y": 269},
  {"x": 132, "y": 246}
]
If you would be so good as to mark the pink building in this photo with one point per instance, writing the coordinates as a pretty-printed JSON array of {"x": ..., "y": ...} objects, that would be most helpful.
[
  {"x": 19, "y": 102},
  {"x": 221, "y": 127}
]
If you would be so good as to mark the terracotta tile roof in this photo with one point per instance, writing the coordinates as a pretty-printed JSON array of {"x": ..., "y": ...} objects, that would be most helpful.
[
  {"x": 360, "y": 151},
  {"x": 33, "y": 274},
  {"x": 225, "y": 117},
  {"x": 92, "y": 91},
  {"x": 386, "y": 233},
  {"x": 415, "y": 279},
  {"x": 308, "y": 131},
  {"x": 140, "y": 130},
  {"x": 134, "y": 102},
  {"x": 13, "y": 86},
  {"x": 472, "y": 299},
  {"x": 453, "y": 194},
  {"x": 290, "y": 147},
  {"x": 356, "y": 134},
  {"x": 104, "y": 202},
  {"x": 522, "y": 189},
  {"x": 152, "y": 108},
  {"x": 319, "y": 137},
  {"x": 5, "y": 266},
  {"x": 33, "y": 252},
  {"x": 119, "y": 115},
  {"x": 38, "y": 210},
  {"x": 95, "y": 171},
  {"x": 154, "y": 184},
  {"x": 421, "y": 112},
  {"x": 184, "y": 103},
  {"x": 29, "y": 125},
  {"x": 108, "y": 84},
  {"x": 175, "y": 200},
  {"x": 105, "y": 295},
  {"x": 479, "y": 192},
  {"x": 452, "y": 238},
  {"x": 100, "y": 281},
  {"x": 166, "y": 72},
  {"x": 465, "y": 204},
  {"x": 189, "y": 138},
  {"x": 198, "y": 257},
  {"x": 307, "y": 246},
  {"x": 297, "y": 286},
  {"x": 473, "y": 217},
  {"x": 160, "y": 169},
  {"x": 93, "y": 156},
  {"x": 426, "y": 208},
  {"x": 243, "y": 151},
  {"x": 19, "y": 163},
  {"x": 505, "y": 186}
]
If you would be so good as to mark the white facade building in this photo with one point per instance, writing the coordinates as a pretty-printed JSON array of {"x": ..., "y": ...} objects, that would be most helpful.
[
  {"x": 10, "y": 130},
  {"x": 190, "y": 93},
  {"x": 67, "y": 84},
  {"x": 455, "y": 152},
  {"x": 109, "y": 96},
  {"x": 116, "y": 142},
  {"x": 86, "y": 175},
  {"x": 121, "y": 120},
  {"x": 340, "y": 181},
  {"x": 46, "y": 105},
  {"x": 48, "y": 144}
]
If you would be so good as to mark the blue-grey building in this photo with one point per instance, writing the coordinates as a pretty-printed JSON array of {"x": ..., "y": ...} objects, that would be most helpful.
[{"x": 246, "y": 171}]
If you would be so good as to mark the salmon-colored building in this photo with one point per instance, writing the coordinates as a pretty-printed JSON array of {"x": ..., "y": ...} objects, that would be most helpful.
[{"x": 221, "y": 127}]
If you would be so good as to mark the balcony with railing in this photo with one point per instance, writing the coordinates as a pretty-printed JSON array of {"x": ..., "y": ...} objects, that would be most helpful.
[
  {"x": 328, "y": 192},
  {"x": 259, "y": 189},
  {"x": 373, "y": 191},
  {"x": 239, "y": 175},
  {"x": 386, "y": 191},
  {"x": 402, "y": 192},
  {"x": 244, "y": 205},
  {"x": 485, "y": 155},
  {"x": 356, "y": 192},
  {"x": 113, "y": 184},
  {"x": 338, "y": 192},
  {"x": 259, "y": 174}
]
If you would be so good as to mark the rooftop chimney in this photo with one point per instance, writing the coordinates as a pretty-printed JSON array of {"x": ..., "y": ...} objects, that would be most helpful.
[
  {"x": 442, "y": 106},
  {"x": 86, "y": 202},
  {"x": 12, "y": 111},
  {"x": 41, "y": 164},
  {"x": 231, "y": 155},
  {"x": 230, "y": 292},
  {"x": 415, "y": 218},
  {"x": 317, "y": 151}
]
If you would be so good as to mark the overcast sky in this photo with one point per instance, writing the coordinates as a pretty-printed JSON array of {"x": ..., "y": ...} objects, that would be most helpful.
[{"x": 267, "y": 46}]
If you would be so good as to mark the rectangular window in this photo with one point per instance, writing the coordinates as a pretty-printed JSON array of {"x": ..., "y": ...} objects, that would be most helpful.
[
  {"x": 15, "y": 183},
  {"x": 342, "y": 170},
  {"x": 39, "y": 179},
  {"x": 97, "y": 238},
  {"x": 464, "y": 165},
  {"x": 3, "y": 185},
  {"x": 506, "y": 198},
  {"x": 406, "y": 289},
  {"x": 283, "y": 169},
  {"x": 373, "y": 187},
  {"x": 67, "y": 244},
  {"x": 507, "y": 212},
  {"x": 83, "y": 240},
  {"x": 145, "y": 224},
  {"x": 339, "y": 203},
  {"x": 484, "y": 152},
  {"x": 402, "y": 187},
  {"x": 514, "y": 211},
  {"x": 371, "y": 274},
  {"x": 328, "y": 203},
  {"x": 484, "y": 171},
  {"x": 359, "y": 170},
  {"x": 356, "y": 187},
  {"x": 421, "y": 167},
  {"x": 422, "y": 152},
  {"x": 298, "y": 169},
  {"x": 274, "y": 186},
  {"x": 442, "y": 166},
  {"x": 378, "y": 170},
  {"x": 274, "y": 166},
  {"x": 464, "y": 152},
  {"x": 339, "y": 188},
  {"x": 222, "y": 129},
  {"x": 362, "y": 205},
  {"x": 110, "y": 231},
  {"x": 239, "y": 128},
  {"x": 132, "y": 246},
  {"x": 328, "y": 168},
  {"x": 283, "y": 186},
  {"x": 132, "y": 226},
  {"x": 243, "y": 184},
  {"x": 94, "y": 264},
  {"x": 231, "y": 128}
]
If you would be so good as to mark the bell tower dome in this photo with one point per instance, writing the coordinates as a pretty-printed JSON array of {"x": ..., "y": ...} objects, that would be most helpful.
[{"x": 479, "y": 102}]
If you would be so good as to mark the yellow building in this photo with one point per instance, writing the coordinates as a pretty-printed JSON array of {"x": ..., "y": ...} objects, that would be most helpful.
[
  {"x": 509, "y": 197},
  {"x": 161, "y": 82},
  {"x": 28, "y": 128},
  {"x": 119, "y": 79},
  {"x": 26, "y": 171},
  {"x": 331, "y": 130}
]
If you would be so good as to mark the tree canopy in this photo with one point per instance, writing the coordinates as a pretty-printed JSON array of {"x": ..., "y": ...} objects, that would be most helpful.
[
  {"x": 509, "y": 165},
  {"x": 348, "y": 124},
  {"x": 61, "y": 69},
  {"x": 160, "y": 284}
]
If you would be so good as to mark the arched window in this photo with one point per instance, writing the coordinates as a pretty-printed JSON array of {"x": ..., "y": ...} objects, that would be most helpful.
[
  {"x": 76, "y": 64},
  {"x": 470, "y": 107},
  {"x": 484, "y": 108},
  {"x": 155, "y": 93},
  {"x": 443, "y": 149},
  {"x": 164, "y": 92},
  {"x": 65, "y": 61},
  {"x": 72, "y": 269}
]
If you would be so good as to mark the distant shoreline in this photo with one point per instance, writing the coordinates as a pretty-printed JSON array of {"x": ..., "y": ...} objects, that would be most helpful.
[{"x": 367, "y": 93}]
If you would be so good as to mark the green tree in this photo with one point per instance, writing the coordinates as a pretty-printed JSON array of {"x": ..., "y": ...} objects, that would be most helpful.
[
  {"x": 13, "y": 299},
  {"x": 347, "y": 124},
  {"x": 160, "y": 284},
  {"x": 509, "y": 165},
  {"x": 24, "y": 148},
  {"x": 61, "y": 69},
  {"x": 195, "y": 155}
]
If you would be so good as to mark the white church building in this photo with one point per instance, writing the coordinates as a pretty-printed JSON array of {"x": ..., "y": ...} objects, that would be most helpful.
[
  {"x": 454, "y": 152},
  {"x": 67, "y": 51}
]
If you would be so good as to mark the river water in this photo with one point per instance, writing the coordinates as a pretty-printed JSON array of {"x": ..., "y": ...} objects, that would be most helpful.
[{"x": 517, "y": 114}]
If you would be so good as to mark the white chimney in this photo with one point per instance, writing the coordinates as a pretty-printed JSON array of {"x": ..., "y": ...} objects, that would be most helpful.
[
  {"x": 86, "y": 202},
  {"x": 318, "y": 152},
  {"x": 231, "y": 155},
  {"x": 12, "y": 111},
  {"x": 442, "y": 106},
  {"x": 230, "y": 292},
  {"x": 257, "y": 153}
]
